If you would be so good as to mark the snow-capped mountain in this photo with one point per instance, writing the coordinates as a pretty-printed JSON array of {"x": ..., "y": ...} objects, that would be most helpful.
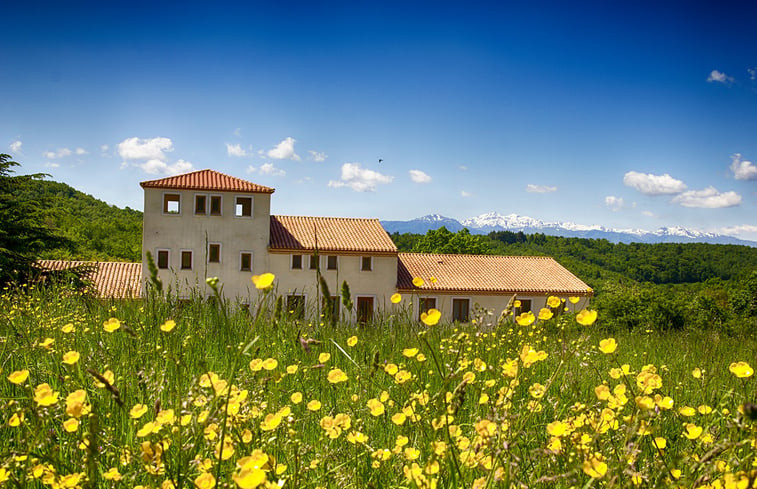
[{"x": 493, "y": 221}]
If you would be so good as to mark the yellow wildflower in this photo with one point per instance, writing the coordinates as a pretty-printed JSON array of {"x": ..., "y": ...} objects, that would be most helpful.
[
  {"x": 741, "y": 369},
  {"x": 111, "y": 325},
  {"x": 168, "y": 325},
  {"x": 336, "y": 376},
  {"x": 18, "y": 377},
  {"x": 71, "y": 357},
  {"x": 264, "y": 281},
  {"x": 586, "y": 317},
  {"x": 396, "y": 298},
  {"x": 608, "y": 345},
  {"x": 352, "y": 341},
  {"x": 431, "y": 317}
]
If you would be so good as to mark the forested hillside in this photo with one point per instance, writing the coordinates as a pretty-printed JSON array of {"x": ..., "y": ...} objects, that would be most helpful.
[{"x": 95, "y": 230}]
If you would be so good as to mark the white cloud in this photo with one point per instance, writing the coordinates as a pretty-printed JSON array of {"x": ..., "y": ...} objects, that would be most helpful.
[
  {"x": 419, "y": 176},
  {"x": 742, "y": 169},
  {"x": 614, "y": 203},
  {"x": 462, "y": 167},
  {"x": 155, "y": 166},
  {"x": 145, "y": 149},
  {"x": 719, "y": 77},
  {"x": 15, "y": 146},
  {"x": 752, "y": 73},
  {"x": 235, "y": 150},
  {"x": 318, "y": 156},
  {"x": 708, "y": 198},
  {"x": 81, "y": 151},
  {"x": 463, "y": 193},
  {"x": 60, "y": 153},
  {"x": 284, "y": 150},
  {"x": 540, "y": 189},
  {"x": 650, "y": 184},
  {"x": 737, "y": 230},
  {"x": 50, "y": 164},
  {"x": 359, "y": 179},
  {"x": 648, "y": 213},
  {"x": 270, "y": 169},
  {"x": 237, "y": 132}
]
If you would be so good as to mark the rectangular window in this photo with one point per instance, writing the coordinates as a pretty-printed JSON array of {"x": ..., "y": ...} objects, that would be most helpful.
[
  {"x": 215, "y": 205},
  {"x": 245, "y": 262},
  {"x": 200, "y": 205},
  {"x": 296, "y": 262},
  {"x": 424, "y": 304},
  {"x": 366, "y": 264},
  {"x": 331, "y": 262},
  {"x": 313, "y": 262},
  {"x": 171, "y": 204},
  {"x": 163, "y": 259},
  {"x": 186, "y": 260},
  {"x": 525, "y": 306},
  {"x": 460, "y": 308},
  {"x": 364, "y": 309},
  {"x": 243, "y": 207},
  {"x": 296, "y": 306},
  {"x": 214, "y": 253}
]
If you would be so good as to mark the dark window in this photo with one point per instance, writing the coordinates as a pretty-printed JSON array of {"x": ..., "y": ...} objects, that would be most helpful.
[
  {"x": 186, "y": 260},
  {"x": 243, "y": 207},
  {"x": 296, "y": 262},
  {"x": 366, "y": 264},
  {"x": 162, "y": 258},
  {"x": 200, "y": 205},
  {"x": 331, "y": 262},
  {"x": 215, "y": 205},
  {"x": 296, "y": 306},
  {"x": 245, "y": 262},
  {"x": 313, "y": 262},
  {"x": 460, "y": 308},
  {"x": 171, "y": 203},
  {"x": 424, "y": 304},
  {"x": 525, "y": 305},
  {"x": 364, "y": 309},
  {"x": 214, "y": 253}
]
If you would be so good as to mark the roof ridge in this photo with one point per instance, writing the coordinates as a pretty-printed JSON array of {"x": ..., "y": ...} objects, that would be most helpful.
[
  {"x": 477, "y": 255},
  {"x": 330, "y": 217}
]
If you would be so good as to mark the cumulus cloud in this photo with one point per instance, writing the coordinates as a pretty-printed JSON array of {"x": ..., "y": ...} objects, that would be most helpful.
[
  {"x": 737, "y": 230},
  {"x": 235, "y": 150},
  {"x": 614, "y": 203},
  {"x": 650, "y": 184},
  {"x": 742, "y": 169},
  {"x": 15, "y": 146},
  {"x": 708, "y": 198},
  {"x": 540, "y": 189},
  {"x": 419, "y": 176},
  {"x": 317, "y": 156},
  {"x": 719, "y": 77},
  {"x": 270, "y": 169},
  {"x": 59, "y": 153},
  {"x": 648, "y": 213},
  {"x": 145, "y": 149},
  {"x": 284, "y": 150},
  {"x": 50, "y": 164},
  {"x": 80, "y": 151},
  {"x": 155, "y": 166},
  {"x": 463, "y": 193},
  {"x": 359, "y": 179},
  {"x": 462, "y": 167}
]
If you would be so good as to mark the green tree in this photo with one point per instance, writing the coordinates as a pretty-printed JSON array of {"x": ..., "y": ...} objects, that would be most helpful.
[
  {"x": 444, "y": 241},
  {"x": 23, "y": 234}
]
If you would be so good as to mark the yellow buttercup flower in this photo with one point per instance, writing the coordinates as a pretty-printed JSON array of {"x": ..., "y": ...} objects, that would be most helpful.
[
  {"x": 71, "y": 357},
  {"x": 168, "y": 325},
  {"x": 314, "y": 405},
  {"x": 137, "y": 411},
  {"x": 68, "y": 328},
  {"x": 324, "y": 357},
  {"x": 398, "y": 418},
  {"x": 205, "y": 481},
  {"x": 270, "y": 364},
  {"x": 586, "y": 317},
  {"x": 545, "y": 314},
  {"x": 296, "y": 397},
  {"x": 741, "y": 369},
  {"x": 396, "y": 298},
  {"x": 697, "y": 373},
  {"x": 18, "y": 377},
  {"x": 376, "y": 407},
  {"x": 608, "y": 345},
  {"x": 71, "y": 425},
  {"x": 409, "y": 352},
  {"x": 431, "y": 317},
  {"x": 595, "y": 467},
  {"x": 44, "y": 395},
  {"x": 352, "y": 341},
  {"x": 418, "y": 282},
  {"x": 111, "y": 325},
  {"x": 574, "y": 299},
  {"x": 692, "y": 431},
  {"x": 264, "y": 281},
  {"x": 112, "y": 474},
  {"x": 553, "y": 301},
  {"x": 336, "y": 376},
  {"x": 525, "y": 318}
]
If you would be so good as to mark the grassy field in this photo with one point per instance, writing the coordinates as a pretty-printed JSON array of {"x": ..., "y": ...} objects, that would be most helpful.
[{"x": 158, "y": 394}]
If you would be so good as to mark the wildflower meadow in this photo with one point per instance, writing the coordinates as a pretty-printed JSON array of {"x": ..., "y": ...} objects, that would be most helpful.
[{"x": 161, "y": 393}]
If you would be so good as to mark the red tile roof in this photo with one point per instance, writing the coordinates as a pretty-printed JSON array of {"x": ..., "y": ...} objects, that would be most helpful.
[
  {"x": 488, "y": 274},
  {"x": 111, "y": 280},
  {"x": 334, "y": 234},
  {"x": 207, "y": 180}
]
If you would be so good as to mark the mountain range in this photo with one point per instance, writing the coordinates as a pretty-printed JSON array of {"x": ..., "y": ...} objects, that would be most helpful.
[{"x": 493, "y": 221}]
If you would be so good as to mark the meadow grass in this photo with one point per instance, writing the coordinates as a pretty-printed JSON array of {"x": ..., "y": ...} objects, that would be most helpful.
[{"x": 160, "y": 393}]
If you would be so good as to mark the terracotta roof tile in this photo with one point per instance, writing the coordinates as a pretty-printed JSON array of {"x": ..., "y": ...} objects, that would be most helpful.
[
  {"x": 207, "y": 180},
  {"x": 111, "y": 280},
  {"x": 488, "y": 274},
  {"x": 338, "y": 234}
]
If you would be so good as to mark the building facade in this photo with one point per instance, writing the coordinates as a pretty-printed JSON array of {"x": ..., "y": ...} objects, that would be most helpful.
[{"x": 208, "y": 224}]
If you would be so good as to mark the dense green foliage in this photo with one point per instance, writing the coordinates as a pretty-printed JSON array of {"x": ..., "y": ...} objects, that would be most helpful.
[
  {"x": 637, "y": 286},
  {"x": 93, "y": 229},
  {"x": 23, "y": 233}
]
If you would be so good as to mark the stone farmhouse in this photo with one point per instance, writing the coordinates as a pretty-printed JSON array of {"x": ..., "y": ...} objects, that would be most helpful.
[{"x": 207, "y": 224}]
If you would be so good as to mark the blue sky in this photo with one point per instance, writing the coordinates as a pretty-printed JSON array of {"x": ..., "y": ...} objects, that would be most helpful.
[{"x": 622, "y": 114}]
